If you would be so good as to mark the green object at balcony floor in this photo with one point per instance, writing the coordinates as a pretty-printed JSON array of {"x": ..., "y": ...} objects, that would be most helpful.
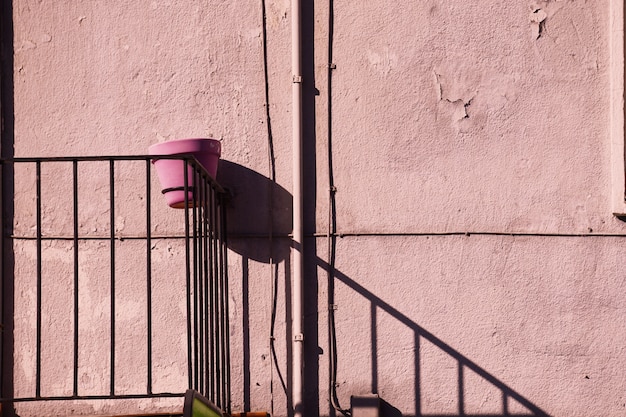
[{"x": 198, "y": 406}]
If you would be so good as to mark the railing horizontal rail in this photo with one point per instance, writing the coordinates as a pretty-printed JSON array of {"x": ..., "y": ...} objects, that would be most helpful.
[
  {"x": 186, "y": 157},
  {"x": 95, "y": 397}
]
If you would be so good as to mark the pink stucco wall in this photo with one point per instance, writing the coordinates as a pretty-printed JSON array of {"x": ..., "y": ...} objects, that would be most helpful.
[{"x": 471, "y": 157}]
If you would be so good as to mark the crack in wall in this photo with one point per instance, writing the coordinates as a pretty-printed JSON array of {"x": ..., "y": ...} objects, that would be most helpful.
[{"x": 439, "y": 87}]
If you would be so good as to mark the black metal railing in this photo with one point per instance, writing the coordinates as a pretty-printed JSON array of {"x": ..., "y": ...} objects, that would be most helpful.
[{"x": 199, "y": 231}]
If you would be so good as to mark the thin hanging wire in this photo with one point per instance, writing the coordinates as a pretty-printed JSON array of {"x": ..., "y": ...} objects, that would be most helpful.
[
  {"x": 332, "y": 231},
  {"x": 274, "y": 367}
]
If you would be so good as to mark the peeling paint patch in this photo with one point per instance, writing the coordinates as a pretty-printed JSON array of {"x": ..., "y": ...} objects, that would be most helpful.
[
  {"x": 460, "y": 109},
  {"x": 459, "y": 99},
  {"x": 566, "y": 37},
  {"x": 538, "y": 22},
  {"x": 540, "y": 13}
]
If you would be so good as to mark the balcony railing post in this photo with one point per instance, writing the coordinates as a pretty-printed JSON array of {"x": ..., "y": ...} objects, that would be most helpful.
[
  {"x": 149, "y": 276},
  {"x": 214, "y": 298},
  {"x": 76, "y": 267},
  {"x": 112, "y": 274},
  {"x": 39, "y": 282},
  {"x": 205, "y": 274},
  {"x": 198, "y": 257},
  {"x": 190, "y": 355}
]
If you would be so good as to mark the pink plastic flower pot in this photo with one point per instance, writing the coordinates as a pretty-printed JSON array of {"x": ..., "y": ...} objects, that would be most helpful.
[{"x": 171, "y": 172}]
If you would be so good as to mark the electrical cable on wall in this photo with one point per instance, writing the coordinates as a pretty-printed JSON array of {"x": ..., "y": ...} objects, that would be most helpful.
[
  {"x": 272, "y": 176},
  {"x": 332, "y": 233}
]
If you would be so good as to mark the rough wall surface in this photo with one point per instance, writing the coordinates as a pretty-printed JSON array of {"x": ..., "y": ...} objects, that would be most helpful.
[{"x": 480, "y": 268}]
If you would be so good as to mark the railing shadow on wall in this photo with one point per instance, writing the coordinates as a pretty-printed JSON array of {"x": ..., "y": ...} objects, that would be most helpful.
[
  {"x": 95, "y": 314},
  {"x": 251, "y": 199},
  {"x": 524, "y": 407}
]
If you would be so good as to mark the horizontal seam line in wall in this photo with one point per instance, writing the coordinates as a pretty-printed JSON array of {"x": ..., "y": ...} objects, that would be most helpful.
[
  {"x": 417, "y": 234},
  {"x": 326, "y": 235}
]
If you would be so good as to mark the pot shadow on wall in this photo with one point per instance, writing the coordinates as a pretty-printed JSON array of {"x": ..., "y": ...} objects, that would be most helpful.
[
  {"x": 249, "y": 227},
  {"x": 259, "y": 220},
  {"x": 258, "y": 208}
]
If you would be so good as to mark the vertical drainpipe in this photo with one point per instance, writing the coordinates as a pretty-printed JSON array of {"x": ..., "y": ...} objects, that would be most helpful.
[{"x": 298, "y": 214}]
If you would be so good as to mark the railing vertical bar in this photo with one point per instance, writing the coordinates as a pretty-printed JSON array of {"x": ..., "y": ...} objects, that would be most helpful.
[
  {"x": 224, "y": 238},
  {"x": 75, "y": 193},
  {"x": 39, "y": 280},
  {"x": 195, "y": 281},
  {"x": 218, "y": 315},
  {"x": 149, "y": 276},
  {"x": 223, "y": 292},
  {"x": 205, "y": 293},
  {"x": 212, "y": 304},
  {"x": 200, "y": 260},
  {"x": 188, "y": 275},
  {"x": 218, "y": 365},
  {"x": 112, "y": 273},
  {"x": 210, "y": 338},
  {"x": 205, "y": 237}
]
